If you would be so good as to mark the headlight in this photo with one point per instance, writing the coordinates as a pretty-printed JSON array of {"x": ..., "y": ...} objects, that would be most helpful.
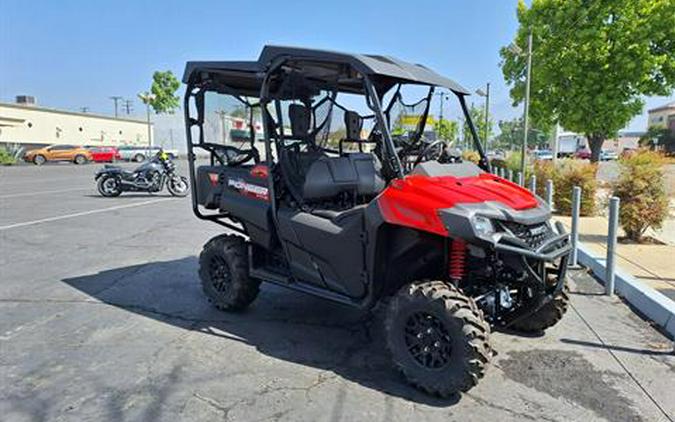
[{"x": 482, "y": 225}]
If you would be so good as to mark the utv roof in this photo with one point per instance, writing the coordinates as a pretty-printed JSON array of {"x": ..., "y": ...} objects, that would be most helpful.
[{"x": 383, "y": 70}]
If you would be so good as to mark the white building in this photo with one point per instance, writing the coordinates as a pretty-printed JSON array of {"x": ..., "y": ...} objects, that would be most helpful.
[{"x": 29, "y": 125}]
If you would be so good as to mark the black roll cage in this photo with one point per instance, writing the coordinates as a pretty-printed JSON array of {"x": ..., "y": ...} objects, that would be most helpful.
[{"x": 373, "y": 98}]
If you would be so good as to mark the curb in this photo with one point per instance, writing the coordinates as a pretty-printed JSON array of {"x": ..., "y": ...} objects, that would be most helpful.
[{"x": 652, "y": 304}]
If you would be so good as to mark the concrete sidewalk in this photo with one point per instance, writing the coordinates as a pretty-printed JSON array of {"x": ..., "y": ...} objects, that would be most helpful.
[{"x": 654, "y": 265}]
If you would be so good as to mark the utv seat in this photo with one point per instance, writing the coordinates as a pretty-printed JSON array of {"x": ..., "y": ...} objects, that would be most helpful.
[{"x": 355, "y": 173}]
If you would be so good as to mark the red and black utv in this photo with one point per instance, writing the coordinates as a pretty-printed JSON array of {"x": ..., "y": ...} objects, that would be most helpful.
[{"x": 321, "y": 178}]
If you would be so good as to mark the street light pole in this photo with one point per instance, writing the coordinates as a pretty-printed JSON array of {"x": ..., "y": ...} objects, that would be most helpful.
[
  {"x": 487, "y": 111},
  {"x": 526, "y": 107},
  {"x": 486, "y": 130},
  {"x": 147, "y": 97}
]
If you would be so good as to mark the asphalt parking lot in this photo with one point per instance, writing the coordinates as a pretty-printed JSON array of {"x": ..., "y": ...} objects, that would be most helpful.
[{"x": 102, "y": 318}]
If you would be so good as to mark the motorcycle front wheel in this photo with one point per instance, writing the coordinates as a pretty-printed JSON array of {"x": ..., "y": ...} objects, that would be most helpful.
[
  {"x": 109, "y": 186},
  {"x": 178, "y": 186}
]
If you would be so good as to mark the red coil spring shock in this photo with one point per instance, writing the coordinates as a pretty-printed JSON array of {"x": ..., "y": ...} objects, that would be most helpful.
[{"x": 457, "y": 260}]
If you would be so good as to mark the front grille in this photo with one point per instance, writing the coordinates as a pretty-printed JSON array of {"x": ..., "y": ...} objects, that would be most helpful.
[{"x": 534, "y": 235}]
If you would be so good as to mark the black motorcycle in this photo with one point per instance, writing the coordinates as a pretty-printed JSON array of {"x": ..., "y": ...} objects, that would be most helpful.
[{"x": 151, "y": 176}]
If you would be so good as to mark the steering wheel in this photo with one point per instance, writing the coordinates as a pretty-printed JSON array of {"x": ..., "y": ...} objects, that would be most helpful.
[
  {"x": 429, "y": 149},
  {"x": 233, "y": 155}
]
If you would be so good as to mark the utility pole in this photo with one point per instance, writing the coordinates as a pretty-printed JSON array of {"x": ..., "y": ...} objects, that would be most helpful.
[
  {"x": 115, "y": 99},
  {"x": 127, "y": 106},
  {"x": 526, "y": 107}
]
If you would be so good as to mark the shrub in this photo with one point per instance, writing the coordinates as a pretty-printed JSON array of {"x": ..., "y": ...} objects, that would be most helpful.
[
  {"x": 544, "y": 170},
  {"x": 6, "y": 159},
  {"x": 640, "y": 187},
  {"x": 572, "y": 173},
  {"x": 471, "y": 155}
]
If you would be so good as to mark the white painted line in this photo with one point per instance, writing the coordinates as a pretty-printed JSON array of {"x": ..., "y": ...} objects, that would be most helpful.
[
  {"x": 80, "y": 214},
  {"x": 44, "y": 192}
]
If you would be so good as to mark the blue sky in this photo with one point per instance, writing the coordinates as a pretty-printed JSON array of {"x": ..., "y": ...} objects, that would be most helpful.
[{"x": 71, "y": 54}]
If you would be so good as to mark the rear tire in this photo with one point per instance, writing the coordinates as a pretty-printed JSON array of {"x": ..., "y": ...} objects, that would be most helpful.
[
  {"x": 139, "y": 158},
  {"x": 109, "y": 186},
  {"x": 39, "y": 160},
  {"x": 80, "y": 159},
  {"x": 223, "y": 270},
  {"x": 546, "y": 317},
  {"x": 437, "y": 338}
]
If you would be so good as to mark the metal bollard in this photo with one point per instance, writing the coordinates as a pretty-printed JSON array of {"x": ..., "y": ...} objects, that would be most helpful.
[
  {"x": 520, "y": 178},
  {"x": 549, "y": 193},
  {"x": 502, "y": 172},
  {"x": 533, "y": 184},
  {"x": 611, "y": 244},
  {"x": 510, "y": 175},
  {"x": 576, "y": 208}
]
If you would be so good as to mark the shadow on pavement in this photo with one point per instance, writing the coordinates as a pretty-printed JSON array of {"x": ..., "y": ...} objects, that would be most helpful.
[
  {"x": 132, "y": 195},
  {"x": 281, "y": 323}
]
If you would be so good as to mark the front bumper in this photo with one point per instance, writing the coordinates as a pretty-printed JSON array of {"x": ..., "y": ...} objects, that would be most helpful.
[{"x": 548, "y": 281}]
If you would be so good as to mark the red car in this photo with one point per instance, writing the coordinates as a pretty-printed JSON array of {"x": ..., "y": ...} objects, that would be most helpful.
[
  {"x": 104, "y": 154},
  {"x": 583, "y": 154}
]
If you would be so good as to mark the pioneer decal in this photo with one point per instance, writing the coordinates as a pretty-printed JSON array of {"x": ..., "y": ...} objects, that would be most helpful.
[{"x": 249, "y": 189}]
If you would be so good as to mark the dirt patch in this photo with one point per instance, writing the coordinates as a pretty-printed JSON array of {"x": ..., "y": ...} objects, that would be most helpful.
[{"x": 567, "y": 375}]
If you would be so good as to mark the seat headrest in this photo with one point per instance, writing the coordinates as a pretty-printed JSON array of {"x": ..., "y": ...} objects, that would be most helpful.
[
  {"x": 300, "y": 118},
  {"x": 353, "y": 125}
]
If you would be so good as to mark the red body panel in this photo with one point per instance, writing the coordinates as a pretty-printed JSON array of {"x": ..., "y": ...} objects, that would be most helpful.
[
  {"x": 104, "y": 155},
  {"x": 415, "y": 200}
]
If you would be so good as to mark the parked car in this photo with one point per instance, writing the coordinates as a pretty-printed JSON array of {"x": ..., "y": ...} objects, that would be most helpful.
[
  {"x": 583, "y": 154},
  {"x": 542, "y": 154},
  {"x": 76, "y": 154},
  {"x": 627, "y": 152},
  {"x": 141, "y": 153},
  {"x": 608, "y": 154},
  {"x": 104, "y": 154}
]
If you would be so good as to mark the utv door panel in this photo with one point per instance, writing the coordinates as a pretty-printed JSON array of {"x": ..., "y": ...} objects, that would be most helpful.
[
  {"x": 234, "y": 190},
  {"x": 325, "y": 252}
]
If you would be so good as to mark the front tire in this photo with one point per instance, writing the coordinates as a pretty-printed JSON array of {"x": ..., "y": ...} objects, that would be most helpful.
[
  {"x": 80, "y": 159},
  {"x": 39, "y": 160},
  {"x": 178, "y": 186},
  {"x": 223, "y": 270},
  {"x": 139, "y": 158},
  {"x": 546, "y": 317},
  {"x": 437, "y": 338},
  {"x": 109, "y": 186}
]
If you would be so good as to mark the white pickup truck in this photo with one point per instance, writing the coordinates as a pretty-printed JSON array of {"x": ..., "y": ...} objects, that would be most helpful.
[{"x": 142, "y": 153}]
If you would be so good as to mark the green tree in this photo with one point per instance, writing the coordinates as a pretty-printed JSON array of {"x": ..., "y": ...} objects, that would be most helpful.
[
  {"x": 164, "y": 87},
  {"x": 658, "y": 136},
  {"x": 592, "y": 60},
  {"x": 511, "y": 135},
  {"x": 446, "y": 129}
]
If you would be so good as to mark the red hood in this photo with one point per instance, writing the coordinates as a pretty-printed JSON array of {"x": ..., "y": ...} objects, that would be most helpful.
[{"x": 414, "y": 201}]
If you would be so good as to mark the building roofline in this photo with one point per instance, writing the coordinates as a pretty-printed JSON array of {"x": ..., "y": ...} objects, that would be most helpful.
[
  {"x": 71, "y": 113},
  {"x": 663, "y": 107}
]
